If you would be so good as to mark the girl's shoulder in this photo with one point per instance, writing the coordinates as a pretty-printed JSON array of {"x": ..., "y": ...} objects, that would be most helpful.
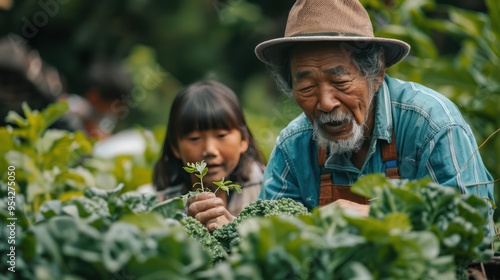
[
  {"x": 250, "y": 189},
  {"x": 256, "y": 174}
]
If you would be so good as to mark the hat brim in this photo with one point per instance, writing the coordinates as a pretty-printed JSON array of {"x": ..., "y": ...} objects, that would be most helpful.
[{"x": 267, "y": 51}]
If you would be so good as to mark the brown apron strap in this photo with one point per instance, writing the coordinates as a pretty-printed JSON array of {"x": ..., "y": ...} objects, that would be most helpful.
[
  {"x": 390, "y": 158},
  {"x": 330, "y": 192},
  {"x": 322, "y": 155}
]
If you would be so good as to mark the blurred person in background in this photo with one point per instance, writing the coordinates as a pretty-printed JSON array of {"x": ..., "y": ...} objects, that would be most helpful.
[
  {"x": 25, "y": 77},
  {"x": 99, "y": 106}
]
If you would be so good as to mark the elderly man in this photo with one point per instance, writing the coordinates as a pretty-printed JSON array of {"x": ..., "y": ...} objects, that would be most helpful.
[{"x": 357, "y": 120}]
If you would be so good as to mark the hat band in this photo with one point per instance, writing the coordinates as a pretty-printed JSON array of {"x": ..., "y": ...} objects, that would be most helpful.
[{"x": 333, "y": 34}]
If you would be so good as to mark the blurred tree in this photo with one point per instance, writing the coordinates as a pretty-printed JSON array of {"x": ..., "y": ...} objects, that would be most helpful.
[
  {"x": 192, "y": 38},
  {"x": 189, "y": 40}
]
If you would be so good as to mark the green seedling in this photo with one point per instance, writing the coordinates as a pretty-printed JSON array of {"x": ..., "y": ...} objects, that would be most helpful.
[{"x": 200, "y": 169}]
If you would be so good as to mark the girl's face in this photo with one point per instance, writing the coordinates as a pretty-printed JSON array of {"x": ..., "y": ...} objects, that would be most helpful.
[{"x": 220, "y": 148}]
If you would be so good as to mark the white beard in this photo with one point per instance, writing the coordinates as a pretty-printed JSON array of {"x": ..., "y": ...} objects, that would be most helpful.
[{"x": 351, "y": 144}]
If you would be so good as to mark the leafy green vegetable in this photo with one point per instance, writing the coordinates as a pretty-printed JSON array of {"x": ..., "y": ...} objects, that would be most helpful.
[
  {"x": 413, "y": 232},
  {"x": 458, "y": 221},
  {"x": 104, "y": 233},
  {"x": 228, "y": 235},
  {"x": 211, "y": 245}
]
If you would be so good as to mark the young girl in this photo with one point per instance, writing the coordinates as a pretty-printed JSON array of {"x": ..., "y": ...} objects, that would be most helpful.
[{"x": 206, "y": 123}]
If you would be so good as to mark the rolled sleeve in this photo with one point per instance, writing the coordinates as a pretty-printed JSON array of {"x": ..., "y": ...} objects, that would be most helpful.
[{"x": 278, "y": 181}]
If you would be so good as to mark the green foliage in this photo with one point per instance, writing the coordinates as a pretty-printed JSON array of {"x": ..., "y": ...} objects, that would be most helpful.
[
  {"x": 228, "y": 234},
  {"x": 97, "y": 204},
  {"x": 101, "y": 234},
  {"x": 416, "y": 230},
  {"x": 199, "y": 232},
  {"x": 220, "y": 241},
  {"x": 456, "y": 53},
  {"x": 459, "y": 222},
  {"x": 366, "y": 249},
  {"x": 125, "y": 169},
  {"x": 57, "y": 164},
  {"x": 412, "y": 232},
  {"x": 46, "y": 161}
]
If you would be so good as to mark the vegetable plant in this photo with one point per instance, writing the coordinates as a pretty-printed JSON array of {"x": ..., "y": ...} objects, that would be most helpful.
[{"x": 415, "y": 230}]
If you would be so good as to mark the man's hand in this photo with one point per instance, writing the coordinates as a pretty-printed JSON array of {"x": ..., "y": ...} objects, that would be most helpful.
[
  {"x": 362, "y": 209},
  {"x": 209, "y": 210}
]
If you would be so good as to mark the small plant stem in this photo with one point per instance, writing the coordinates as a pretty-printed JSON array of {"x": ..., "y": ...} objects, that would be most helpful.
[{"x": 484, "y": 142}]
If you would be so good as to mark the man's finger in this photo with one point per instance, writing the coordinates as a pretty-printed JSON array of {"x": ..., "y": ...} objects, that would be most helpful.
[{"x": 361, "y": 209}]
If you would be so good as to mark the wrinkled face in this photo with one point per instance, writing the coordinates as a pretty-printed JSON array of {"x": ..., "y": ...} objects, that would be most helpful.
[
  {"x": 333, "y": 94},
  {"x": 220, "y": 148}
]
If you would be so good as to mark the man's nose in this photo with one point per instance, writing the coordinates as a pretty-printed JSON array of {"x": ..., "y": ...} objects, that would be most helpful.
[{"x": 327, "y": 98}]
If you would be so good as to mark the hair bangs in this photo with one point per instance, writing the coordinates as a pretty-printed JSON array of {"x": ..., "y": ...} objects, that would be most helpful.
[{"x": 205, "y": 112}]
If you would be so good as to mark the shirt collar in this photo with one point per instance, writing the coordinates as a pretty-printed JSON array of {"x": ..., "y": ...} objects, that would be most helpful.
[{"x": 383, "y": 114}]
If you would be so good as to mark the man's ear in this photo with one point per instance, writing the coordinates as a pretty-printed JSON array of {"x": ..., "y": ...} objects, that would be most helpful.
[
  {"x": 380, "y": 80},
  {"x": 381, "y": 76}
]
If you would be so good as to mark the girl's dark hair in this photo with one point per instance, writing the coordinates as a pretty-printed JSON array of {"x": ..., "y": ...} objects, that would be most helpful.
[{"x": 202, "y": 106}]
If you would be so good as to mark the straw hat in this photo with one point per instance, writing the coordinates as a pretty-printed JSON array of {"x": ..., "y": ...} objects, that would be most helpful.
[{"x": 329, "y": 21}]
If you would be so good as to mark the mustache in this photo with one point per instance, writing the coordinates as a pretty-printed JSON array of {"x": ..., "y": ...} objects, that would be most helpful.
[{"x": 334, "y": 117}]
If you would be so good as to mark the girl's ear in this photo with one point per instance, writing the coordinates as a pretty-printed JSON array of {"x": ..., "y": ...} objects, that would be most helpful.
[
  {"x": 245, "y": 142},
  {"x": 175, "y": 152}
]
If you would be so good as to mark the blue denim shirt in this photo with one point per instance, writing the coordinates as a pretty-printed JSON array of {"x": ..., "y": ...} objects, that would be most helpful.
[{"x": 432, "y": 140}]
